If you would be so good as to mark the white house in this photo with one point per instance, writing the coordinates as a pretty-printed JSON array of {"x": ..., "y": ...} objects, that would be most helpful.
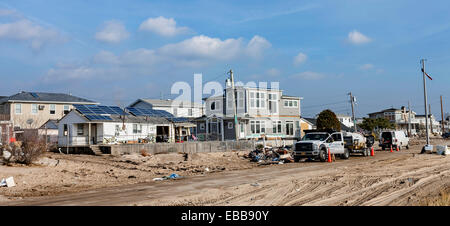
[
  {"x": 345, "y": 119},
  {"x": 78, "y": 129}
]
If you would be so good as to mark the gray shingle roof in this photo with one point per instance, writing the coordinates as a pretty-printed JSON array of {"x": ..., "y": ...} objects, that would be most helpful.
[
  {"x": 51, "y": 124},
  {"x": 44, "y": 97}
]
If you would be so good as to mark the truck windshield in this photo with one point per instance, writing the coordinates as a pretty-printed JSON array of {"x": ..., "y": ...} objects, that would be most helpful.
[{"x": 315, "y": 136}]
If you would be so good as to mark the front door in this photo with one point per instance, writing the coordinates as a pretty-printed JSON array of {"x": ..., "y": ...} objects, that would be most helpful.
[
  {"x": 94, "y": 133},
  {"x": 241, "y": 130}
]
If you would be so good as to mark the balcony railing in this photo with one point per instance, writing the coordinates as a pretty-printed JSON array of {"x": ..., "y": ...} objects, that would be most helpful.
[{"x": 5, "y": 117}]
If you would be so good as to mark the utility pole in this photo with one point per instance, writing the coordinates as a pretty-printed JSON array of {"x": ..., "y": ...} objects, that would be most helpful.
[
  {"x": 425, "y": 101},
  {"x": 429, "y": 115},
  {"x": 409, "y": 119},
  {"x": 352, "y": 100},
  {"x": 442, "y": 119},
  {"x": 234, "y": 106}
]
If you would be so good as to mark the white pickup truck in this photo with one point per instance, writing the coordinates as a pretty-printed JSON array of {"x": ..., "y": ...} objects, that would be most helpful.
[{"x": 315, "y": 145}]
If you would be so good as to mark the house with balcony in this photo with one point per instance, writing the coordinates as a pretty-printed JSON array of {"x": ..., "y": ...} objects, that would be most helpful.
[
  {"x": 403, "y": 119},
  {"x": 260, "y": 113}
]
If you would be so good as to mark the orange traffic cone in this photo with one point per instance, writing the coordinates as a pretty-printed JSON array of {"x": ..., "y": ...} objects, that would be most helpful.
[
  {"x": 391, "y": 149},
  {"x": 372, "y": 153},
  {"x": 329, "y": 155},
  {"x": 397, "y": 149}
]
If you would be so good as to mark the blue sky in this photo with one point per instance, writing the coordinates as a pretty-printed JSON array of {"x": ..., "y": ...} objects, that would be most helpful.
[{"x": 117, "y": 51}]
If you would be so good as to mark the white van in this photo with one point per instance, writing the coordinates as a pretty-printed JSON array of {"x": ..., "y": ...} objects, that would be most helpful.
[{"x": 395, "y": 139}]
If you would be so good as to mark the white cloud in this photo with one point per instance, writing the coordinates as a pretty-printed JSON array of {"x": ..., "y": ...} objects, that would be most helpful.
[
  {"x": 366, "y": 67},
  {"x": 193, "y": 52},
  {"x": 256, "y": 46},
  {"x": 162, "y": 26},
  {"x": 204, "y": 47},
  {"x": 355, "y": 37},
  {"x": 26, "y": 30},
  {"x": 300, "y": 58},
  {"x": 112, "y": 32},
  {"x": 309, "y": 75},
  {"x": 207, "y": 48}
]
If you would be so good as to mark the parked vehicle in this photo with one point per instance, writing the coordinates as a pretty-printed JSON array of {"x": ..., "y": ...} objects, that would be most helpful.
[
  {"x": 446, "y": 135},
  {"x": 315, "y": 145},
  {"x": 394, "y": 139},
  {"x": 356, "y": 143}
]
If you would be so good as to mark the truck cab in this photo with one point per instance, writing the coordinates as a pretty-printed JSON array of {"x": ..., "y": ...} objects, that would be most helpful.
[{"x": 316, "y": 144}]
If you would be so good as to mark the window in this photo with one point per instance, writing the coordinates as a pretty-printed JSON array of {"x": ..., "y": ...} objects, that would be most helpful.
[
  {"x": 213, "y": 106},
  {"x": 291, "y": 103},
  {"x": 289, "y": 128},
  {"x": 175, "y": 111},
  {"x": 65, "y": 130},
  {"x": 52, "y": 109},
  {"x": 258, "y": 127},
  {"x": 230, "y": 100},
  {"x": 273, "y": 106},
  {"x": 66, "y": 109},
  {"x": 337, "y": 137},
  {"x": 240, "y": 99},
  {"x": 190, "y": 111},
  {"x": 276, "y": 126},
  {"x": 137, "y": 128},
  {"x": 18, "y": 108},
  {"x": 257, "y": 100},
  {"x": 202, "y": 126},
  {"x": 80, "y": 129},
  {"x": 117, "y": 132},
  {"x": 230, "y": 125},
  {"x": 34, "y": 109}
]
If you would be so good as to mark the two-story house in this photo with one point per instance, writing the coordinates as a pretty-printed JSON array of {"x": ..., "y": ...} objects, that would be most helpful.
[
  {"x": 184, "y": 109},
  {"x": 30, "y": 110},
  {"x": 260, "y": 112},
  {"x": 404, "y": 120}
]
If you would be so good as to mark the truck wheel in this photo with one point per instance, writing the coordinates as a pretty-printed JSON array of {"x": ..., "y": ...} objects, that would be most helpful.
[
  {"x": 346, "y": 154},
  {"x": 323, "y": 155}
]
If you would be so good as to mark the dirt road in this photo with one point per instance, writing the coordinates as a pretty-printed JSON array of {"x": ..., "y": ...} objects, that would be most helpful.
[{"x": 399, "y": 178}]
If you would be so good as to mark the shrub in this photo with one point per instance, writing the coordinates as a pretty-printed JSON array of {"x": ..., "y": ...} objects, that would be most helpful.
[{"x": 26, "y": 151}]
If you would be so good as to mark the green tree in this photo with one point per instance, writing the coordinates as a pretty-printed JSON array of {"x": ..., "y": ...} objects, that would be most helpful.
[{"x": 328, "y": 120}]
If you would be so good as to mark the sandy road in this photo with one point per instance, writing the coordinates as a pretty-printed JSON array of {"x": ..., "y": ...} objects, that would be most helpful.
[{"x": 399, "y": 178}]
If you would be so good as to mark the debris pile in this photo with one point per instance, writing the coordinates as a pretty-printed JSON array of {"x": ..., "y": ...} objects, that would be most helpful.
[
  {"x": 270, "y": 155},
  {"x": 172, "y": 176},
  {"x": 8, "y": 182}
]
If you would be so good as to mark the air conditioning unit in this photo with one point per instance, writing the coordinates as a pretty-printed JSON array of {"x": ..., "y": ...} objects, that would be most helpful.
[{"x": 41, "y": 107}]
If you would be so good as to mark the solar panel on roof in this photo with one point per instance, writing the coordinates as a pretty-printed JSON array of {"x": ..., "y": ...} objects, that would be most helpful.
[
  {"x": 179, "y": 119},
  {"x": 98, "y": 118},
  {"x": 83, "y": 109},
  {"x": 135, "y": 111},
  {"x": 118, "y": 110},
  {"x": 34, "y": 95}
]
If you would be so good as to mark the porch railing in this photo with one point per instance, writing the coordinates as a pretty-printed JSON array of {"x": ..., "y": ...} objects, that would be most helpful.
[{"x": 5, "y": 117}]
